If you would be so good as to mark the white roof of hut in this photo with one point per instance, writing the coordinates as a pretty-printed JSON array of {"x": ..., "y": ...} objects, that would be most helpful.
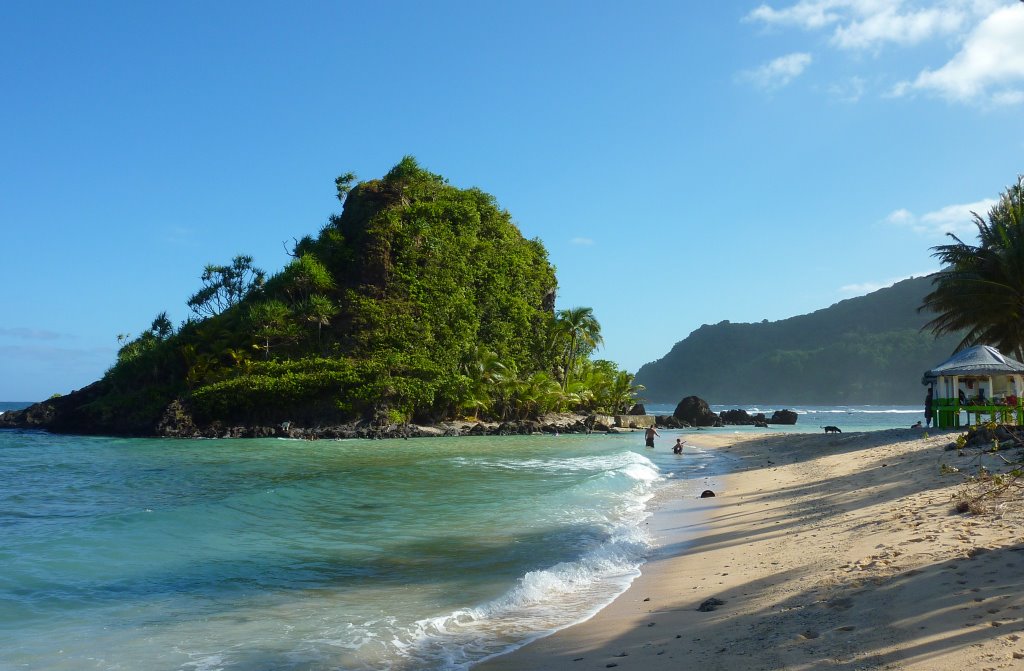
[{"x": 977, "y": 360}]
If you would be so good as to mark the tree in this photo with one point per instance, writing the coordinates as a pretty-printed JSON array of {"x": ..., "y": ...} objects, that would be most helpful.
[
  {"x": 318, "y": 310},
  {"x": 583, "y": 332},
  {"x": 344, "y": 185},
  {"x": 162, "y": 328},
  {"x": 485, "y": 372},
  {"x": 225, "y": 286},
  {"x": 981, "y": 287},
  {"x": 271, "y": 325},
  {"x": 303, "y": 277}
]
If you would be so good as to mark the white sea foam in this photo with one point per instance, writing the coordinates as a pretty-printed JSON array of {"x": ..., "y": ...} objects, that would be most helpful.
[
  {"x": 541, "y": 603},
  {"x": 546, "y": 600}
]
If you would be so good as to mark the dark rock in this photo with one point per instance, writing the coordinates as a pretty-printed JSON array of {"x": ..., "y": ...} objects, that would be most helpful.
[
  {"x": 695, "y": 411},
  {"x": 710, "y": 605},
  {"x": 670, "y": 422},
  {"x": 707, "y": 494},
  {"x": 783, "y": 417},
  {"x": 637, "y": 409},
  {"x": 736, "y": 417},
  {"x": 176, "y": 422},
  {"x": 477, "y": 430}
]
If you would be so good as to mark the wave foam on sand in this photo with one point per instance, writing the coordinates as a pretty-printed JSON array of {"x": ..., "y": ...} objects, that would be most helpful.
[{"x": 838, "y": 552}]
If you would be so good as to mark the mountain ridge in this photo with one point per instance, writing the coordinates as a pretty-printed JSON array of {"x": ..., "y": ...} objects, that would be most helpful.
[{"x": 863, "y": 350}]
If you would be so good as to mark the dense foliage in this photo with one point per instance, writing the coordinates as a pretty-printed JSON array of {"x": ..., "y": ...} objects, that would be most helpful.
[
  {"x": 420, "y": 301},
  {"x": 862, "y": 350},
  {"x": 980, "y": 290}
]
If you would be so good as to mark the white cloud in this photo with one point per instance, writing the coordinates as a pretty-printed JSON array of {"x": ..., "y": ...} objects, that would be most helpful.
[
  {"x": 582, "y": 242},
  {"x": 888, "y": 25},
  {"x": 810, "y": 15},
  {"x": 990, "y": 64},
  {"x": 956, "y": 219},
  {"x": 779, "y": 72},
  {"x": 866, "y": 24}
]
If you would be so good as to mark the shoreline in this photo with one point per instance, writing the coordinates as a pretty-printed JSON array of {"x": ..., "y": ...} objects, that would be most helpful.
[{"x": 826, "y": 552}]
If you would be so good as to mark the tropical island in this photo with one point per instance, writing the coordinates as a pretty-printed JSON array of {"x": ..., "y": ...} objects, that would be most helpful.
[{"x": 419, "y": 302}]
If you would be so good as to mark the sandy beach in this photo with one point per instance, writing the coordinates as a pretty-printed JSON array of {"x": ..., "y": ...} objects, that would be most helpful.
[{"x": 825, "y": 552}]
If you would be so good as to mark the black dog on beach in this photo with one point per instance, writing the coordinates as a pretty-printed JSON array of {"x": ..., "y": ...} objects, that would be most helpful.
[{"x": 832, "y": 429}]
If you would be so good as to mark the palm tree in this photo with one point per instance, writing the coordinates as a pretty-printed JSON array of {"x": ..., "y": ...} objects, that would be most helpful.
[
  {"x": 623, "y": 392},
  {"x": 981, "y": 287},
  {"x": 485, "y": 372},
  {"x": 584, "y": 333}
]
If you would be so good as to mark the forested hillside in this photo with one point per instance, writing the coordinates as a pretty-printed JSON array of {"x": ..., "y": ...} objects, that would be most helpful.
[{"x": 862, "y": 350}]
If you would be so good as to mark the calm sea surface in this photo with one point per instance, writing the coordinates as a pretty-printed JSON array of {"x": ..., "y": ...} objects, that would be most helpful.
[{"x": 248, "y": 555}]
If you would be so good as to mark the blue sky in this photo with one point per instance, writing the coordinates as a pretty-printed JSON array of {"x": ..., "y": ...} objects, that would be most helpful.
[{"x": 684, "y": 163}]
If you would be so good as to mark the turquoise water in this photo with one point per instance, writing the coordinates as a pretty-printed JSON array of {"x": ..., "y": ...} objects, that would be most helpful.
[
  {"x": 245, "y": 555},
  {"x": 278, "y": 554}
]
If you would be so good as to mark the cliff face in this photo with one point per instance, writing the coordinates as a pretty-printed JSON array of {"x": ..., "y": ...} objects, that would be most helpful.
[
  {"x": 376, "y": 318},
  {"x": 862, "y": 350}
]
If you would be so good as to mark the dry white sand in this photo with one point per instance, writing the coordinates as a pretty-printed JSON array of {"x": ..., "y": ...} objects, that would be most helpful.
[{"x": 828, "y": 552}]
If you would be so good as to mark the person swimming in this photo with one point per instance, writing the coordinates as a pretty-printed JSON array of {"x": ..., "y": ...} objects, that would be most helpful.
[{"x": 678, "y": 447}]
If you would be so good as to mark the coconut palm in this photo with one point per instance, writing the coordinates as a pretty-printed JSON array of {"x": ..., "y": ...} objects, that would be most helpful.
[
  {"x": 584, "y": 335},
  {"x": 485, "y": 372},
  {"x": 981, "y": 288},
  {"x": 622, "y": 393}
]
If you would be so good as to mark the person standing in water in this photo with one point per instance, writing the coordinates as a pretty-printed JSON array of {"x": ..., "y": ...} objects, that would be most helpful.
[
  {"x": 678, "y": 447},
  {"x": 649, "y": 436}
]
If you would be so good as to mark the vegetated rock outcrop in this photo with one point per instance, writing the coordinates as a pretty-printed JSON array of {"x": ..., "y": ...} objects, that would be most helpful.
[{"x": 390, "y": 315}]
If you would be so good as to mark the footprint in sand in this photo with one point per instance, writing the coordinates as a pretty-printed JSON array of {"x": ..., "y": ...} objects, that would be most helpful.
[
  {"x": 848, "y": 627},
  {"x": 809, "y": 635}
]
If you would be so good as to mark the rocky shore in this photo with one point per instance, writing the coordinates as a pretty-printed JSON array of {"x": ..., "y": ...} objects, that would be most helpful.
[{"x": 64, "y": 415}]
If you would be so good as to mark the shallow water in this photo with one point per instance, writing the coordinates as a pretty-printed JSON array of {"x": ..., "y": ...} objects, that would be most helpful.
[
  {"x": 246, "y": 555},
  {"x": 258, "y": 554}
]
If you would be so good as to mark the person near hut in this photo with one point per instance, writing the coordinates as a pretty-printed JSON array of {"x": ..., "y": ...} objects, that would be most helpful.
[{"x": 928, "y": 408}]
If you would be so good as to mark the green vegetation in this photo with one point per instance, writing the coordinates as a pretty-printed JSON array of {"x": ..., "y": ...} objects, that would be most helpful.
[
  {"x": 420, "y": 301},
  {"x": 862, "y": 350},
  {"x": 980, "y": 291}
]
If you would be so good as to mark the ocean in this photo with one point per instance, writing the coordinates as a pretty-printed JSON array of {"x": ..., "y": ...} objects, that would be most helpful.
[{"x": 244, "y": 555}]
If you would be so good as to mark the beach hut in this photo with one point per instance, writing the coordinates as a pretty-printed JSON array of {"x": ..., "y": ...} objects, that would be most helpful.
[{"x": 979, "y": 381}]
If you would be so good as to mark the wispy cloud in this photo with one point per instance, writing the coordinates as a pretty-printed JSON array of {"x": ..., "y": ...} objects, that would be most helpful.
[
  {"x": 779, "y": 72},
  {"x": 989, "y": 68},
  {"x": 30, "y": 334},
  {"x": 849, "y": 91},
  {"x": 59, "y": 356},
  {"x": 867, "y": 287},
  {"x": 582, "y": 242},
  {"x": 179, "y": 235},
  {"x": 956, "y": 219},
  {"x": 887, "y": 25}
]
